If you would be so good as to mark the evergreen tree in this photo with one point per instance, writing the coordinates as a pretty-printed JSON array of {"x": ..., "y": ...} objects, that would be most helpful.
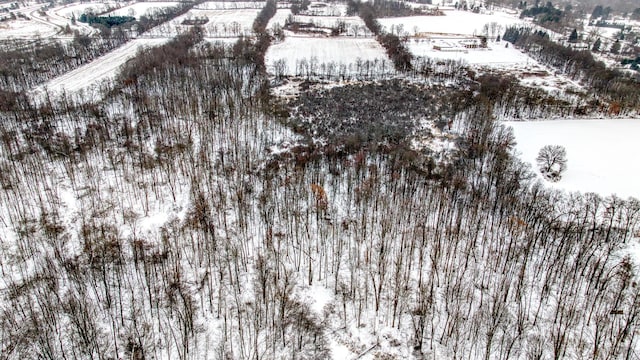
[
  {"x": 615, "y": 48},
  {"x": 597, "y": 12},
  {"x": 596, "y": 45},
  {"x": 574, "y": 36}
]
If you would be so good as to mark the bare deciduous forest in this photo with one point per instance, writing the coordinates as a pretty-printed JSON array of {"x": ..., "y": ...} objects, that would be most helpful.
[{"x": 191, "y": 214}]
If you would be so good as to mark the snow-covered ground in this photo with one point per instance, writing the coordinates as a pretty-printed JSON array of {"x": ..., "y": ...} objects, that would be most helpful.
[
  {"x": 601, "y": 32},
  {"x": 227, "y": 5},
  {"x": 453, "y": 22},
  {"x": 77, "y": 9},
  {"x": 142, "y": 8},
  {"x": 58, "y": 21},
  {"x": 279, "y": 18},
  {"x": 221, "y": 23},
  {"x": 601, "y": 154},
  {"x": 87, "y": 77},
  {"x": 26, "y": 29},
  {"x": 495, "y": 55},
  {"x": 339, "y": 50},
  {"x": 36, "y": 22},
  {"x": 318, "y": 8}
]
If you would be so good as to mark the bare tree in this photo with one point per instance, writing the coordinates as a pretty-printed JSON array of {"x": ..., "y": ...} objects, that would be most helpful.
[{"x": 552, "y": 162}]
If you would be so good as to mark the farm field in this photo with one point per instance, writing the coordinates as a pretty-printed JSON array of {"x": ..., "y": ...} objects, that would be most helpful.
[
  {"x": 77, "y": 9},
  {"x": 48, "y": 24},
  {"x": 142, "y": 8},
  {"x": 26, "y": 29},
  {"x": 326, "y": 9},
  {"x": 453, "y": 22},
  {"x": 59, "y": 22},
  {"x": 229, "y": 5},
  {"x": 221, "y": 23},
  {"x": 599, "y": 152},
  {"x": 339, "y": 50},
  {"x": 279, "y": 18},
  {"x": 86, "y": 78}
]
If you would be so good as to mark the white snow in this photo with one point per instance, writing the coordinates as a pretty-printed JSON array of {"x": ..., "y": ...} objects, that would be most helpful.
[
  {"x": 279, "y": 18},
  {"x": 226, "y": 5},
  {"x": 221, "y": 23},
  {"x": 601, "y": 154},
  {"x": 142, "y": 8},
  {"x": 317, "y": 8},
  {"x": 318, "y": 297},
  {"x": 26, "y": 29},
  {"x": 495, "y": 55},
  {"x": 339, "y": 50},
  {"x": 339, "y": 351},
  {"x": 453, "y": 22},
  {"x": 77, "y": 9}
]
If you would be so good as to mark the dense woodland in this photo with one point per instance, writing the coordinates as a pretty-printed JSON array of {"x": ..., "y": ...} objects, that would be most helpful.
[{"x": 191, "y": 214}]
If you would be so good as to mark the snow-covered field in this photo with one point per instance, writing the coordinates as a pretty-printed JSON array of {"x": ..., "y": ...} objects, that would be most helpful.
[
  {"x": 142, "y": 8},
  {"x": 227, "y": 5},
  {"x": 279, "y": 18},
  {"x": 601, "y": 32},
  {"x": 77, "y": 9},
  {"x": 221, "y": 23},
  {"x": 26, "y": 29},
  {"x": 453, "y": 22},
  {"x": 58, "y": 21},
  {"x": 87, "y": 77},
  {"x": 601, "y": 154},
  {"x": 495, "y": 55},
  {"x": 317, "y": 8},
  {"x": 49, "y": 23},
  {"x": 322, "y": 50}
]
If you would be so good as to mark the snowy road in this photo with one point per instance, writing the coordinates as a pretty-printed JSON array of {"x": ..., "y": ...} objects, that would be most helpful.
[{"x": 88, "y": 77}]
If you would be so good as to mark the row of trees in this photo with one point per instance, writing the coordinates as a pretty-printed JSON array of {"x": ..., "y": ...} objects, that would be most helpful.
[{"x": 396, "y": 49}]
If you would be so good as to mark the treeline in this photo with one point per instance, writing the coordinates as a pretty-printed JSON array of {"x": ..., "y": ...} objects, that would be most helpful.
[
  {"x": 262, "y": 20},
  {"x": 543, "y": 14},
  {"x": 395, "y": 48},
  {"x": 384, "y": 8},
  {"x": 164, "y": 14},
  {"x": 263, "y": 38},
  {"x": 579, "y": 65},
  {"x": 336, "y": 71},
  {"x": 174, "y": 53},
  {"x": 512, "y": 101}
]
